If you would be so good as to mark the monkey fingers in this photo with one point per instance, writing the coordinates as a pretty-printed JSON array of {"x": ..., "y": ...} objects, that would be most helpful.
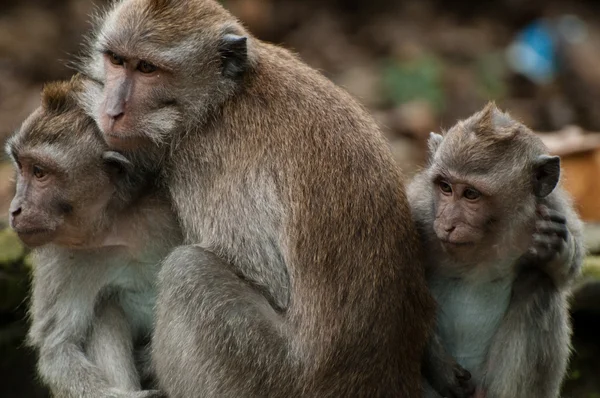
[
  {"x": 546, "y": 247},
  {"x": 551, "y": 228},
  {"x": 551, "y": 214}
]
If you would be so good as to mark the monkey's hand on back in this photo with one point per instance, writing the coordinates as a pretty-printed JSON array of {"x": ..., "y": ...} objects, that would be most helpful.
[
  {"x": 552, "y": 247},
  {"x": 453, "y": 381}
]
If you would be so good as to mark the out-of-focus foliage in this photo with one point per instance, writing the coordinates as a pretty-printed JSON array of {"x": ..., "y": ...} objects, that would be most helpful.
[{"x": 418, "y": 79}]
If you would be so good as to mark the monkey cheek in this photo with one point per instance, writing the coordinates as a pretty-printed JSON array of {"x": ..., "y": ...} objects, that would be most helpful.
[{"x": 33, "y": 239}]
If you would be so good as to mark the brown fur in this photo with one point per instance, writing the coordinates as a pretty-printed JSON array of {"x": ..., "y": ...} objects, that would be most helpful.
[{"x": 305, "y": 276}]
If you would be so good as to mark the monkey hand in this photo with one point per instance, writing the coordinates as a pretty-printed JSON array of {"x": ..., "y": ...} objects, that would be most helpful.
[
  {"x": 456, "y": 384},
  {"x": 551, "y": 237}
]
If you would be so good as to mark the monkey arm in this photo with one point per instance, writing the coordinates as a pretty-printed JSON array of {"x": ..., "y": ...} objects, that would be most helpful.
[
  {"x": 566, "y": 266},
  {"x": 224, "y": 322},
  {"x": 569, "y": 263},
  {"x": 110, "y": 346},
  {"x": 443, "y": 373},
  {"x": 528, "y": 355},
  {"x": 65, "y": 290},
  {"x": 558, "y": 242}
]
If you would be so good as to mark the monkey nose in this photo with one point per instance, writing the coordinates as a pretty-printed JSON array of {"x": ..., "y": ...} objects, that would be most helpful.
[
  {"x": 15, "y": 212},
  {"x": 449, "y": 228},
  {"x": 115, "y": 114}
]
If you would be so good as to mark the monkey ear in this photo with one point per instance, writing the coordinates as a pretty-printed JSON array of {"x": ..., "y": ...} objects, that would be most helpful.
[
  {"x": 116, "y": 163},
  {"x": 433, "y": 143},
  {"x": 546, "y": 174},
  {"x": 234, "y": 54}
]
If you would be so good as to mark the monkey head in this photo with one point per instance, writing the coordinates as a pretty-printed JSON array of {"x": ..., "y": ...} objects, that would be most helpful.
[
  {"x": 65, "y": 176},
  {"x": 487, "y": 174},
  {"x": 158, "y": 60}
]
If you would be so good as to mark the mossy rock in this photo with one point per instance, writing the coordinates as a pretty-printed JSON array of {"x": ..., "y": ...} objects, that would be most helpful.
[
  {"x": 14, "y": 272},
  {"x": 11, "y": 249},
  {"x": 591, "y": 267}
]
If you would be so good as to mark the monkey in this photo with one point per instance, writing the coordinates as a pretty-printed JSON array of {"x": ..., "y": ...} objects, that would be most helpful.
[
  {"x": 503, "y": 246},
  {"x": 98, "y": 233},
  {"x": 301, "y": 273}
]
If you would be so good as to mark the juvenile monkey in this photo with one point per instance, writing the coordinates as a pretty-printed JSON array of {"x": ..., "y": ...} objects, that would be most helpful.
[
  {"x": 503, "y": 246},
  {"x": 99, "y": 234},
  {"x": 302, "y": 276}
]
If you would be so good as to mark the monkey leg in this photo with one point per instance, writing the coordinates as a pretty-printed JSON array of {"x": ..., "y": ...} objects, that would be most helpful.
[
  {"x": 443, "y": 375},
  {"x": 78, "y": 332},
  {"x": 70, "y": 374},
  {"x": 217, "y": 336}
]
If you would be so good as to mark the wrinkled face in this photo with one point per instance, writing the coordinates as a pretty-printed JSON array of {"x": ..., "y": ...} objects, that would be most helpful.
[
  {"x": 137, "y": 107},
  {"x": 61, "y": 192},
  {"x": 161, "y": 64},
  {"x": 465, "y": 213},
  {"x": 484, "y": 200}
]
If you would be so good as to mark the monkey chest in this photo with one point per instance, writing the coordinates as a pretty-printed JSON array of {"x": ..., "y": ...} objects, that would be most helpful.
[
  {"x": 468, "y": 317},
  {"x": 137, "y": 292}
]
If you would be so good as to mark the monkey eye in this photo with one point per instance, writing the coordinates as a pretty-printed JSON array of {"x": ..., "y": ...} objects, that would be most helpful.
[
  {"x": 114, "y": 58},
  {"x": 146, "y": 67},
  {"x": 471, "y": 194},
  {"x": 445, "y": 187},
  {"x": 38, "y": 172}
]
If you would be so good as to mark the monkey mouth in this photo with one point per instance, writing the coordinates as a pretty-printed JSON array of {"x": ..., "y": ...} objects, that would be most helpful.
[
  {"x": 34, "y": 237},
  {"x": 33, "y": 231},
  {"x": 454, "y": 243}
]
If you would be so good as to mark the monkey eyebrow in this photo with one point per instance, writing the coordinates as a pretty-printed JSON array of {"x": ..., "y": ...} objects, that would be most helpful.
[
  {"x": 161, "y": 63},
  {"x": 11, "y": 151},
  {"x": 107, "y": 52}
]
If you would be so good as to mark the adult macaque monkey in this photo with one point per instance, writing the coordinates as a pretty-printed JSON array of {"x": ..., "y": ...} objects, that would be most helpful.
[
  {"x": 99, "y": 234},
  {"x": 504, "y": 245},
  {"x": 303, "y": 276}
]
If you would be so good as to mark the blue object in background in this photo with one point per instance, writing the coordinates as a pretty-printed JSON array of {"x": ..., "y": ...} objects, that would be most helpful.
[{"x": 533, "y": 53}]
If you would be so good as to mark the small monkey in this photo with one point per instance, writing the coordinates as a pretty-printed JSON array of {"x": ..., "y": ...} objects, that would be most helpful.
[
  {"x": 503, "y": 246},
  {"x": 302, "y": 274},
  {"x": 99, "y": 231}
]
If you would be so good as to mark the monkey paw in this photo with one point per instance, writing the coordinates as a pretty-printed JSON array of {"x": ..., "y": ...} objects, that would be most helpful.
[
  {"x": 458, "y": 384},
  {"x": 550, "y": 236}
]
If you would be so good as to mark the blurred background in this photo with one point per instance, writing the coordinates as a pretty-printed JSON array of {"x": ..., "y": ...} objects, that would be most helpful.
[{"x": 417, "y": 65}]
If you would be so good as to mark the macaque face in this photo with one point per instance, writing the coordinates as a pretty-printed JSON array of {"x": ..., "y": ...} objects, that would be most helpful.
[
  {"x": 464, "y": 213},
  {"x": 161, "y": 69},
  {"x": 136, "y": 109},
  {"x": 37, "y": 211},
  {"x": 61, "y": 192}
]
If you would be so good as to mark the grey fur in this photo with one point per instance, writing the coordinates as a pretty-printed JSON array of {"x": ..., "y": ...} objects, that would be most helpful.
[
  {"x": 87, "y": 310},
  {"x": 301, "y": 274},
  {"x": 94, "y": 281}
]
